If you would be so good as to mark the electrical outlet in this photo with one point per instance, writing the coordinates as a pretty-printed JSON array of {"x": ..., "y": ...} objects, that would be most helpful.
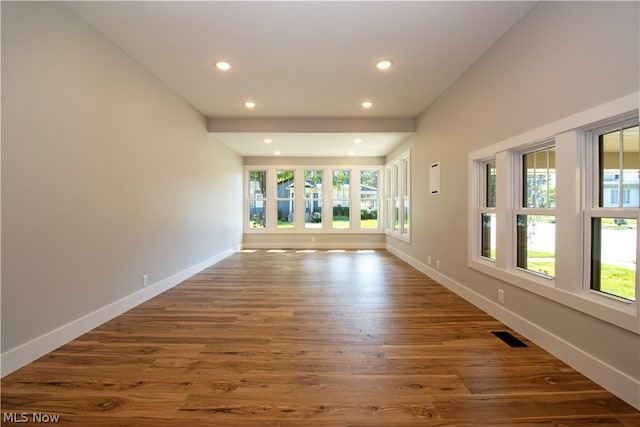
[
  {"x": 145, "y": 280},
  {"x": 438, "y": 264},
  {"x": 501, "y": 296},
  {"x": 429, "y": 260}
]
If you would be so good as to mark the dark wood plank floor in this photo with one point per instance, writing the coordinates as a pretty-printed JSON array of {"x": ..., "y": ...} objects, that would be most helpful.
[{"x": 307, "y": 339}]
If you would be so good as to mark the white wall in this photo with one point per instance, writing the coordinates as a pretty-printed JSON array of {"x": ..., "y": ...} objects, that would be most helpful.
[
  {"x": 106, "y": 175},
  {"x": 560, "y": 59}
]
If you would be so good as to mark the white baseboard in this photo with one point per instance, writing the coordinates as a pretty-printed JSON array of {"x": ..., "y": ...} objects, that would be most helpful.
[
  {"x": 17, "y": 357},
  {"x": 315, "y": 245},
  {"x": 617, "y": 382}
]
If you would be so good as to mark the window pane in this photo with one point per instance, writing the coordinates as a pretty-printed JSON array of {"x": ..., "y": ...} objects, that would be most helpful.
[
  {"x": 340, "y": 184},
  {"x": 610, "y": 169},
  {"x": 340, "y": 196},
  {"x": 396, "y": 214},
  {"x": 313, "y": 214},
  {"x": 631, "y": 168},
  {"x": 341, "y": 214},
  {"x": 537, "y": 243},
  {"x": 313, "y": 184},
  {"x": 489, "y": 236},
  {"x": 405, "y": 177},
  {"x": 395, "y": 184},
  {"x": 257, "y": 214},
  {"x": 539, "y": 179},
  {"x": 620, "y": 169},
  {"x": 490, "y": 185},
  {"x": 369, "y": 199},
  {"x": 257, "y": 195},
  {"x": 613, "y": 256},
  {"x": 313, "y": 198},
  {"x": 389, "y": 215},
  {"x": 405, "y": 216},
  {"x": 257, "y": 184},
  {"x": 285, "y": 195}
]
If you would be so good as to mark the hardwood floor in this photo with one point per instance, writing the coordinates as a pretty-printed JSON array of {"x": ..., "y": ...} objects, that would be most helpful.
[{"x": 306, "y": 339}]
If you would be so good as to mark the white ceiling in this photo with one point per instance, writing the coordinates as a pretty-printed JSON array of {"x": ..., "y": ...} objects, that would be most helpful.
[{"x": 310, "y": 59}]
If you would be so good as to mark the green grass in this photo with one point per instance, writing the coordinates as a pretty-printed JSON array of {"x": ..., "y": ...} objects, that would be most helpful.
[
  {"x": 544, "y": 267},
  {"x": 544, "y": 262},
  {"x": 368, "y": 223},
  {"x": 618, "y": 281},
  {"x": 614, "y": 280}
]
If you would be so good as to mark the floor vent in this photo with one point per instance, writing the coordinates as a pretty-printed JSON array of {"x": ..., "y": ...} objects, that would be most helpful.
[{"x": 509, "y": 339}]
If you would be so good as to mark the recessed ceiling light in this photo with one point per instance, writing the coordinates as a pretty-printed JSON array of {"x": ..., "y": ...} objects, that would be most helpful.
[
  {"x": 367, "y": 104},
  {"x": 250, "y": 104},
  {"x": 223, "y": 66},
  {"x": 268, "y": 140},
  {"x": 357, "y": 140},
  {"x": 384, "y": 65}
]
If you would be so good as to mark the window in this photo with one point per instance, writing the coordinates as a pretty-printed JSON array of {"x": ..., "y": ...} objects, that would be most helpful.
[
  {"x": 395, "y": 178},
  {"x": 398, "y": 190},
  {"x": 582, "y": 173},
  {"x": 341, "y": 199},
  {"x": 285, "y": 198},
  {"x": 257, "y": 194},
  {"x": 535, "y": 219},
  {"x": 389, "y": 200},
  {"x": 293, "y": 199},
  {"x": 613, "y": 220},
  {"x": 488, "y": 210},
  {"x": 405, "y": 196},
  {"x": 313, "y": 199},
  {"x": 369, "y": 198}
]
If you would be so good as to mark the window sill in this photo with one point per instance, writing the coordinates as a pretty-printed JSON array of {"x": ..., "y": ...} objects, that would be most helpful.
[{"x": 317, "y": 231}]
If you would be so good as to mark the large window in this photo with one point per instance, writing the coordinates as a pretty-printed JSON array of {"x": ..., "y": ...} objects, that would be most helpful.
[
  {"x": 285, "y": 198},
  {"x": 369, "y": 198},
  {"x": 405, "y": 196},
  {"x": 257, "y": 191},
  {"x": 341, "y": 199},
  {"x": 613, "y": 218},
  {"x": 398, "y": 190},
  {"x": 313, "y": 199},
  {"x": 488, "y": 209},
  {"x": 555, "y": 211},
  {"x": 535, "y": 219}
]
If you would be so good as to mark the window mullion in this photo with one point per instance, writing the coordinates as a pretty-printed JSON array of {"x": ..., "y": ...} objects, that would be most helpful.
[{"x": 569, "y": 205}]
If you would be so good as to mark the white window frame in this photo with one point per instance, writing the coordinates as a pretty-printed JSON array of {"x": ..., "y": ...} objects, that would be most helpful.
[
  {"x": 593, "y": 210},
  {"x": 520, "y": 209},
  {"x": 571, "y": 136},
  {"x": 482, "y": 208},
  {"x": 398, "y": 190},
  {"x": 379, "y": 200},
  {"x": 299, "y": 200},
  {"x": 348, "y": 198}
]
